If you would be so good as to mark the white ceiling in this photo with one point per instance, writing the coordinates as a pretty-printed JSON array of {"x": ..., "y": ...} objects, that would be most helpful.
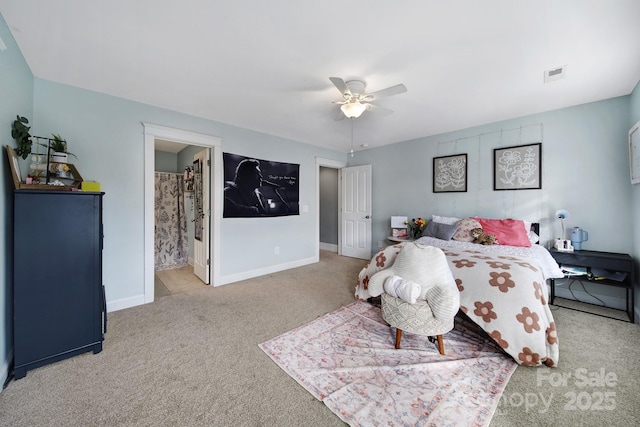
[
  {"x": 168, "y": 146},
  {"x": 265, "y": 65}
]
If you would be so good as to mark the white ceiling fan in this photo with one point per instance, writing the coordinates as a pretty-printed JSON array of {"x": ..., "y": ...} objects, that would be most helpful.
[{"x": 356, "y": 101}]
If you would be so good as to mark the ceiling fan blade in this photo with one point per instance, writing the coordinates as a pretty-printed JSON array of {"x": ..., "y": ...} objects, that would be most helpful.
[
  {"x": 390, "y": 91},
  {"x": 342, "y": 86},
  {"x": 340, "y": 116},
  {"x": 379, "y": 110}
]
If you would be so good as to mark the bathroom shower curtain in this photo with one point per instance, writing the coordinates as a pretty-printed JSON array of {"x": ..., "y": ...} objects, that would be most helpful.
[{"x": 171, "y": 246}]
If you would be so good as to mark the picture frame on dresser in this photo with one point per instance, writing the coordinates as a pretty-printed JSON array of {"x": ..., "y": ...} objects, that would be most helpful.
[
  {"x": 450, "y": 174},
  {"x": 634, "y": 153},
  {"x": 14, "y": 165},
  {"x": 518, "y": 167}
]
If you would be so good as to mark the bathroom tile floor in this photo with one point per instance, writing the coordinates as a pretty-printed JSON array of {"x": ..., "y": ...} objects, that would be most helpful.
[{"x": 168, "y": 282}]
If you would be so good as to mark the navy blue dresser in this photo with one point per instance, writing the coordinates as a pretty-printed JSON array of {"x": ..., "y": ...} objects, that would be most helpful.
[{"x": 59, "y": 304}]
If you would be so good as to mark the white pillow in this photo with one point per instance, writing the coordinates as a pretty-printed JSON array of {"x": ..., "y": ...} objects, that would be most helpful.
[
  {"x": 401, "y": 288},
  {"x": 449, "y": 220}
]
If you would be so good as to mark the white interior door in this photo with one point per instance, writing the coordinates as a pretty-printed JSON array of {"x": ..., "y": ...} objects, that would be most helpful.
[
  {"x": 355, "y": 188},
  {"x": 202, "y": 215}
]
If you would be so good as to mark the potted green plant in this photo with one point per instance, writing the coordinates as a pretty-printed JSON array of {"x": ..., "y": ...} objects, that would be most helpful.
[
  {"x": 59, "y": 149},
  {"x": 20, "y": 132}
]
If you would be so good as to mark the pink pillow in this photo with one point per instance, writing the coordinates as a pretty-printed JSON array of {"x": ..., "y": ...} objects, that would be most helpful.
[
  {"x": 509, "y": 232},
  {"x": 464, "y": 229}
]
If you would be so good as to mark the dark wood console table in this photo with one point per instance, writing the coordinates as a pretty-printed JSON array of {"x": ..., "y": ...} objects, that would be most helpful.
[{"x": 602, "y": 268}]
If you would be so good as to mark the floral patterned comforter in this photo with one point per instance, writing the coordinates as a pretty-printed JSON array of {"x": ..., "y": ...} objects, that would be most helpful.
[{"x": 504, "y": 294}]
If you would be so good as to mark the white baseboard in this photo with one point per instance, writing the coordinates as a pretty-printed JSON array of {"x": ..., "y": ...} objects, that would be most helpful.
[
  {"x": 123, "y": 303},
  {"x": 329, "y": 247},
  {"x": 225, "y": 280}
]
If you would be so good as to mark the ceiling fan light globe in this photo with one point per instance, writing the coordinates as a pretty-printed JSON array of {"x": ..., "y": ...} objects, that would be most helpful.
[{"x": 353, "y": 109}]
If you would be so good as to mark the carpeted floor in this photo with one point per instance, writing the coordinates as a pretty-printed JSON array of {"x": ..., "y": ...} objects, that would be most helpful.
[{"x": 192, "y": 359}]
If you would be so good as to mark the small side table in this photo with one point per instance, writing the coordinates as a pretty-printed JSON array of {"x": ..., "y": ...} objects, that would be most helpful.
[{"x": 612, "y": 264}]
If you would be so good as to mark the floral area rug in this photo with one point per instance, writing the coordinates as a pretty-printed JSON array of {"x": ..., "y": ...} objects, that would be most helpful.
[{"x": 347, "y": 359}]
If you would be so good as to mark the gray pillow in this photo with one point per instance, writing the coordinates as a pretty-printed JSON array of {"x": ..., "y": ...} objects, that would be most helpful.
[{"x": 439, "y": 230}]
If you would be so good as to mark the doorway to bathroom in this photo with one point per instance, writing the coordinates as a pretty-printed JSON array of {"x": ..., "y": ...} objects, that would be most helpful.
[
  {"x": 210, "y": 209},
  {"x": 181, "y": 227}
]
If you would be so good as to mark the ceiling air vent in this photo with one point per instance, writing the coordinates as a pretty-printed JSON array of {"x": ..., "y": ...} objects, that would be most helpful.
[{"x": 555, "y": 74}]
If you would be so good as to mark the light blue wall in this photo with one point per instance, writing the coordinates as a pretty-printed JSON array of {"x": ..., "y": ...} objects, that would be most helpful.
[
  {"x": 185, "y": 156},
  {"x": 107, "y": 136},
  {"x": 166, "y": 162},
  {"x": 16, "y": 97},
  {"x": 635, "y": 105},
  {"x": 585, "y": 170}
]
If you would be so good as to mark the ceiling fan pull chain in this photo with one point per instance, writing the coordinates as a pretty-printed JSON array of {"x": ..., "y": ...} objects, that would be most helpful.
[{"x": 352, "y": 120}]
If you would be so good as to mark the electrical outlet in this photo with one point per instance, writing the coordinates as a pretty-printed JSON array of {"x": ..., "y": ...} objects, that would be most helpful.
[
  {"x": 276, "y": 250},
  {"x": 380, "y": 244}
]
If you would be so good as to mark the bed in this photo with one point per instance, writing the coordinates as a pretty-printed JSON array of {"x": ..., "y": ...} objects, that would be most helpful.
[{"x": 502, "y": 289}]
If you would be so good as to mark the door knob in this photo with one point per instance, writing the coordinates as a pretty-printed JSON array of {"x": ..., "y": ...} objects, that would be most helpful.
[{"x": 367, "y": 217}]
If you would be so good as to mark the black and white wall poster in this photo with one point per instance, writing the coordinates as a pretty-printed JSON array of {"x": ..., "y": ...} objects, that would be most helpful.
[{"x": 259, "y": 188}]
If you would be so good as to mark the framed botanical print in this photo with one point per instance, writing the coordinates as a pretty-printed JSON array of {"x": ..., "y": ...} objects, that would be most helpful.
[
  {"x": 518, "y": 168},
  {"x": 450, "y": 174}
]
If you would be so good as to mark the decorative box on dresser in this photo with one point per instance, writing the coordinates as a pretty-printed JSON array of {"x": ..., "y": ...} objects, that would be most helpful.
[{"x": 58, "y": 297}]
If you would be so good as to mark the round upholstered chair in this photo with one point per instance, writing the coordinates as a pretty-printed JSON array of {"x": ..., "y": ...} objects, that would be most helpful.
[
  {"x": 416, "y": 318},
  {"x": 429, "y": 311}
]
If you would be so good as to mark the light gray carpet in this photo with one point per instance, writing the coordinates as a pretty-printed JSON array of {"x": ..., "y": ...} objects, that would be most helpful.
[{"x": 192, "y": 359}]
